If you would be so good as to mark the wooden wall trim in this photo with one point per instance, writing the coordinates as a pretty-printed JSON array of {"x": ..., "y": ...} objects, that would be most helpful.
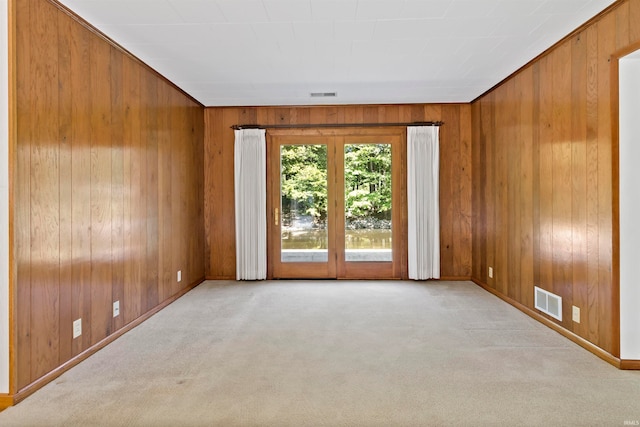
[
  {"x": 6, "y": 400},
  {"x": 592, "y": 348},
  {"x": 117, "y": 46},
  {"x": 552, "y": 47},
  {"x": 333, "y": 106},
  {"x": 442, "y": 279},
  {"x": 453, "y": 278},
  {"x": 13, "y": 137},
  {"x": 40, "y": 382},
  {"x": 626, "y": 50},
  {"x": 630, "y": 364},
  {"x": 615, "y": 178},
  {"x": 615, "y": 198}
]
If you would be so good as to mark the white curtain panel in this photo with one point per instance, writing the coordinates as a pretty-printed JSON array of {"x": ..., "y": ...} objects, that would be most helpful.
[
  {"x": 250, "y": 156},
  {"x": 423, "y": 168}
]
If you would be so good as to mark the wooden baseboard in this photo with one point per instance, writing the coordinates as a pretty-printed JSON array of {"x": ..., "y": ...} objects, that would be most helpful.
[
  {"x": 42, "y": 381},
  {"x": 629, "y": 364},
  {"x": 455, "y": 278},
  {"x": 589, "y": 346},
  {"x": 6, "y": 400},
  {"x": 444, "y": 278},
  {"x": 220, "y": 278}
]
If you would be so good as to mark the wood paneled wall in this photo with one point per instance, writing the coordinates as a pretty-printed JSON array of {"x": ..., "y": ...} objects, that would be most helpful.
[
  {"x": 542, "y": 176},
  {"x": 108, "y": 188},
  {"x": 455, "y": 172}
]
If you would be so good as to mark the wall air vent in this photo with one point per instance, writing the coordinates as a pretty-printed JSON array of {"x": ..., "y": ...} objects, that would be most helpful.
[
  {"x": 324, "y": 94},
  {"x": 548, "y": 303}
]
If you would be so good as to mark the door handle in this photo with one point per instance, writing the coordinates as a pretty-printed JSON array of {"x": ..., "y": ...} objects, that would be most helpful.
[{"x": 276, "y": 216}]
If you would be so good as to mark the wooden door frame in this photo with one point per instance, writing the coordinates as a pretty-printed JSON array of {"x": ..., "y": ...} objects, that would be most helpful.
[
  {"x": 302, "y": 269},
  {"x": 615, "y": 199},
  {"x": 354, "y": 270}
]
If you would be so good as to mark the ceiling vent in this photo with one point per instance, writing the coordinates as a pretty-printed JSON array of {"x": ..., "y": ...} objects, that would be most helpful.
[
  {"x": 548, "y": 303},
  {"x": 324, "y": 94}
]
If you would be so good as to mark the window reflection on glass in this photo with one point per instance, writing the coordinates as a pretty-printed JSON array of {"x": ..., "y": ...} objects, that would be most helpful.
[
  {"x": 303, "y": 186},
  {"x": 367, "y": 179}
]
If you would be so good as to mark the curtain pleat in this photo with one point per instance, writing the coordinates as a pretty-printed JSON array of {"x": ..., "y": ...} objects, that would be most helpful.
[
  {"x": 423, "y": 171},
  {"x": 251, "y": 204}
]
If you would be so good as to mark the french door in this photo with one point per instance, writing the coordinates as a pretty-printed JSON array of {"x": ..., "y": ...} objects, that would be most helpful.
[{"x": 336, "y": 203}]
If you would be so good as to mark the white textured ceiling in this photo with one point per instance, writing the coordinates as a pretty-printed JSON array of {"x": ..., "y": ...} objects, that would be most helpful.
[{"x": 276, "y": 52}]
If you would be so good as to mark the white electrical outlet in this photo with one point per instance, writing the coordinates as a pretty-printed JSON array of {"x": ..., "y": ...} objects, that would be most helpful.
[
  {"x": 490, "y": 272},
  {"x": 576, "y": 314},
  {"x": 77, "y": 328},
  {"x": 179, "y": 275},
  {"x": 116, "y": 309}
]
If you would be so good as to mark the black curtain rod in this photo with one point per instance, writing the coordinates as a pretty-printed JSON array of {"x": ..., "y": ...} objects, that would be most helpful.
[{"x": 334, "y": 125}]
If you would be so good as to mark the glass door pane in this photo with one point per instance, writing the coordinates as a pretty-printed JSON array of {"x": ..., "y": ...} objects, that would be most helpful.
[
  {"x": 367, "y": 203},
  {"x": 303, "y": 189}
]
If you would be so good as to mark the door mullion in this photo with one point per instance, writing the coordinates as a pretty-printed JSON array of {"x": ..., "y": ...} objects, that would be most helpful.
[{"x": 339, "y": 203}]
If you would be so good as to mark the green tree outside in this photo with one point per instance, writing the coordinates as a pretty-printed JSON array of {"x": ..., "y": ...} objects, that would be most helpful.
[
  {"x": 367, "y": 183},
  {"x": 367, "y": 175}
]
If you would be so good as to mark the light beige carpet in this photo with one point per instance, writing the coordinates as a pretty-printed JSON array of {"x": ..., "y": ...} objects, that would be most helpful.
[{"x": 337, "y": 353}]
